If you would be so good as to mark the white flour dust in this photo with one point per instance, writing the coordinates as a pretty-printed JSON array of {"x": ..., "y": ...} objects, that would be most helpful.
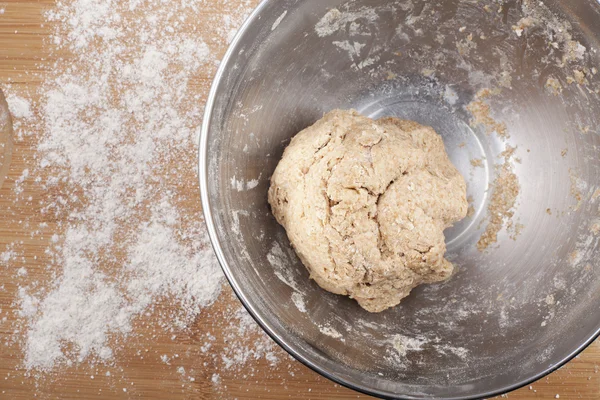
[
  {"x": 331, "y": 332},
  {"x": 243, "y": 346},
  {"x": 19, "y": 107},
  {"x": 335, "y": 20},
  {"x": 402, "y": 344},
  {"x": 116, "y": 123}
]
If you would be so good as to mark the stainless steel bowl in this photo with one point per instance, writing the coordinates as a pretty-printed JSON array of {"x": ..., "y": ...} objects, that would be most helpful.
[{"x": 514, "y": 311}]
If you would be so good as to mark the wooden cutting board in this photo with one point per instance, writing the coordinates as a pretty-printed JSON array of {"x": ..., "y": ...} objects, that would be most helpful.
[{"x": 143, "y": 373}]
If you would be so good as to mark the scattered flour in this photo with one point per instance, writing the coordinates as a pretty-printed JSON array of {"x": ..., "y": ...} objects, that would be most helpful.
[
  {"x": 227, "y": 25},
  {"x": 19, "y": 107},
  {"x": 331, "y": 332},
  {"x": 236, "y": 184},
  {"x": 7, "y": 256},
  {"x": 240, "y": 185},
  {"x": 353, "y": 48},
  {"x": 278, "y": 261},
  {"x": 252, "y": 184},
  {"x": 401, "y": 345},
  {"x": 245, "y": 342},
  {"x": 336, "y": 20},
  {"x": 115, "y": 141},
  {"x": 450, "y": 95},
  {"x": 460, "y": 352},
  {"x": 298, "y": 300}
]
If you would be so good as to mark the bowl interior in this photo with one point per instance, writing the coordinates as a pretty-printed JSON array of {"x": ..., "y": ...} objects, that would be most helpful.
[{"x": 488, "y": 78}]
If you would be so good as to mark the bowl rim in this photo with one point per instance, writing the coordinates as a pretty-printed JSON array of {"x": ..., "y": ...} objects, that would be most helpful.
[{"x": 237, "y": 287}]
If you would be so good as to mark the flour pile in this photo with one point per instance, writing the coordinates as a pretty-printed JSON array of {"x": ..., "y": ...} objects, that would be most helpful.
[{"x": 117, "y": 117}]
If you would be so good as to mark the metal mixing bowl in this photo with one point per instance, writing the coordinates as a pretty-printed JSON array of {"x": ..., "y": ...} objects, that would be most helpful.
[{"x": 514, "y": 311}]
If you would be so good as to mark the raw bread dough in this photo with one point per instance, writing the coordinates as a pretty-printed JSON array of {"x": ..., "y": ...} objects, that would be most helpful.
[{"x": 365, "y": 204}]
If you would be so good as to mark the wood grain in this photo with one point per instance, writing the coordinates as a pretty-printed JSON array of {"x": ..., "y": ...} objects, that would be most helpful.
[{"x": 139, "y": 371}]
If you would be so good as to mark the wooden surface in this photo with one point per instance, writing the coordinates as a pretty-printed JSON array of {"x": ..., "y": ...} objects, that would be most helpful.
[{"x": 138, "y": 370}]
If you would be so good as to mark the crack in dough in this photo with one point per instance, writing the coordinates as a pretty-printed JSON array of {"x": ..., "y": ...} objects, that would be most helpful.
[{"x": 365, "y": 204}]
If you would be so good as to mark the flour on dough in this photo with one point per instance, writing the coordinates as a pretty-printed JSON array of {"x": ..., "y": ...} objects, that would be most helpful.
[{"x": 365, "y": 204}]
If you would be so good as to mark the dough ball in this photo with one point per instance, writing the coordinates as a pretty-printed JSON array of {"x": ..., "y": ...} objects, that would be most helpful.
[{"x": 365, "y": 204}]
